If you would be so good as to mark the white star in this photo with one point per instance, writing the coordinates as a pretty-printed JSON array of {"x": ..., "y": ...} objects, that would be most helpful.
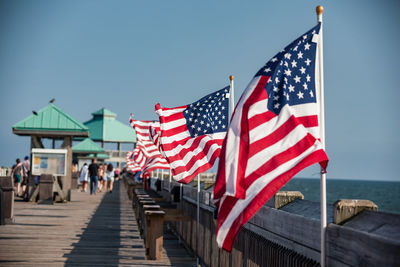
[
  {"x": 216, "y": 117},
  {"x": 297, "y": 79},
  {"x": 219, "y": 112},
  {"x": 308, "y": 77},
  {"x": 302, "y": 70},
  {"x": 193, "y": 126},
  {"x": 222, "y": 107},
  {"x": 294, "y": 64},
  {"x": 192, "y": 114},
  {"x": 299, "y": 55},
  {"x": 219, "y": 122},
  {"x": 276, "y": 89},
  {"x": 186, "y": 111},
  {"x": 217, "y": 93},
  {"x": 216, "y": 127},
  {"x": 288, "y": 72},
  {"x": 276, "y": 80},
  {"x": 286, "y": 64},
  {"x": 300, "y": 95},
  {"x": 208, "y": 125},
  {"x": 190, "y": 119},
  {"x": 313, "y": 32},
  {"x": 287, "y": 55},
  {"x": 204, "y": 116},
  {"x": 308, "y": 61},
  {"x": 311, "y": 94},
  {"x": 274, "y": 59},
  {"x": 276, "y": 106},
  {"x": 201, "y": 122},
  {"x": 200, "y": 109},
  {"x": 223, "y": 126},
  {"x": 305, "y": 36},
  {"x": 305, "y": 86},
  {"x": 287, "y": 97},
  {"x": 286, "y": 81},
  {"x": 267, "y": 70},
  {"x": 198, "y": 129},
  {"x": 291, "y": 88},
  {"x": 276, "y": 97},
  {"x": 295, "y": 48},
  {"x": 307, "y": 46}
]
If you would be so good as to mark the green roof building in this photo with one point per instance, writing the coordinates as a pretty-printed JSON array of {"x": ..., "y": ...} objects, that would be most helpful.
[
  {"x": 53, "y": 123},
  {"x": 104, "y": 128},
  {"x": 87, "y": 146}
]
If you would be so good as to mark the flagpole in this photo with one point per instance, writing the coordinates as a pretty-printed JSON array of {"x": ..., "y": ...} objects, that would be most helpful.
[
  {"x": 170, "y": 177},
  {"x": 198, "y": 219},
  {"x": 319, "y": 11},
  {"x": 231, "y": 97}
]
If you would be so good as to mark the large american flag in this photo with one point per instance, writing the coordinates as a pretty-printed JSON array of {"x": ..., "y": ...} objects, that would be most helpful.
[
  {"x": 273, "y": 135},
  {"x": 192, "y": 135}
]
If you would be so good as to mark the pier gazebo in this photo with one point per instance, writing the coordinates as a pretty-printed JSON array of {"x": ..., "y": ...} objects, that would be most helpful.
[
  {"x": 53, "y": 123},
  {"x": 104, "y": 128}
]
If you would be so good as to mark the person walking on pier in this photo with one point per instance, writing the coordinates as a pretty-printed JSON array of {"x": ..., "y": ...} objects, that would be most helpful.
[
  {"x": 17, "y": 174},
  {"x": 93, "y": 173},
  {"x": 110, "y": 177},
  {"x": 26, "y": 168},
  {"x": 84, "y": 177}
]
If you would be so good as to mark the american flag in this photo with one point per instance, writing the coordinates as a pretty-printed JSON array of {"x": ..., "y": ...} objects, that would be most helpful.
[
  {"x": 131, "y": 163},
  {"x": 192, "y": 135},
  {"x": 146, "y": 154},
  {"x": 273, "y": 135}
]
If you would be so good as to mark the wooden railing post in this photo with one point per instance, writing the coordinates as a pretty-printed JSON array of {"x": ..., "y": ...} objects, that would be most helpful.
[{"x": 154, "y": 233}]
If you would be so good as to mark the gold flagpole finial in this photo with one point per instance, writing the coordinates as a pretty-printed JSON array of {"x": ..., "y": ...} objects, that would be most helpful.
[
  {"x": 231, "y": 78},
  {"x": 319, "y": 10}
]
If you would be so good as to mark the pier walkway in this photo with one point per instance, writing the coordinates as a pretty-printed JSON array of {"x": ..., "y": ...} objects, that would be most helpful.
[{"x": 98, "y": 230}]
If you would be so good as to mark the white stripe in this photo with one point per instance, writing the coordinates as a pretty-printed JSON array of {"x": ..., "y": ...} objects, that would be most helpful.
[
  {"x": 175, "y": 138},
  {"x": 268, "y": 153},
  {"x": 169, "y": 112},
  {"x": 173, "y": 124},
  {"x": 254, "y": 189},
  {"x": 233, "y": 141}
]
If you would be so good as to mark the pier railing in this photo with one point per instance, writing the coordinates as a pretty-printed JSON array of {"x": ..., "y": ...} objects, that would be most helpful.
[{"x": 289, "y": 235}]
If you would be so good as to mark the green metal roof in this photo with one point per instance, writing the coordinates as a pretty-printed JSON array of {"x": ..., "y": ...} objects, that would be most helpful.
[
  {"x": 104, "y": 127},
  {"x": 87, "y": 146},
  {"x": 50, "y": 120}
]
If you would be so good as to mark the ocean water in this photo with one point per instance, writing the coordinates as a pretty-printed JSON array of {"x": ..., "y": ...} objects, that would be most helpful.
[{"x": 384, "y": 194}]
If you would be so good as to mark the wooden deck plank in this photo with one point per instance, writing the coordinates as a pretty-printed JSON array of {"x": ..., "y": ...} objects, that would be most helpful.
[{"x": 98, "y": 230}]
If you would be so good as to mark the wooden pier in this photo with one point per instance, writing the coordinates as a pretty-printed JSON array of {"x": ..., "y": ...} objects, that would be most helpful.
[{"x": 98, "y": 230}]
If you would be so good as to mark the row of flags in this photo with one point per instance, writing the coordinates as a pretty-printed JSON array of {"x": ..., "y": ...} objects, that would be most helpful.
[{"x": 272, "y": 135}]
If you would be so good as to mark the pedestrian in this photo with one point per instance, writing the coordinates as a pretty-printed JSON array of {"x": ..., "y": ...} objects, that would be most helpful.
[
  {"x": 17, "y": 174},
  {"x": 26, "y": 168},
  {"x": 110, "y": 177},
  {"x": 84, "y": 177},
  {"x": 93, "y": 174},
  {"x": 101, "y": 178}
]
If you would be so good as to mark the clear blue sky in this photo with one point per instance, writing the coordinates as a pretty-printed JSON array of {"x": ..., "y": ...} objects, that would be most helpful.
[{"x": 128, "y": 55}]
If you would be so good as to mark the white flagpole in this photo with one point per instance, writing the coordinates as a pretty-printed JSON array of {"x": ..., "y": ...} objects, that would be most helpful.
[
  {"x": 319, "y": 11},
  {"x": 198, "y": 219},
  {"x": 231, "y": 97},
  {"x": 170, "y": 178}
]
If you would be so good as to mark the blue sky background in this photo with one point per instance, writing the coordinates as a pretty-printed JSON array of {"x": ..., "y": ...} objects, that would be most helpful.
[{"x": 129, "y": 55}]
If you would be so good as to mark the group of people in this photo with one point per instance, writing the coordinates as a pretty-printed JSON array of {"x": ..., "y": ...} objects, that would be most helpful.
[
  {"x": 20, "y": 173},
  {"x": 98, "y": 176}
]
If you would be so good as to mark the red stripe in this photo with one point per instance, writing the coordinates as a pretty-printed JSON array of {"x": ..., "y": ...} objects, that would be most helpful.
[
  {"x": 274, "y": 137},
  {"x": 259, "y": 93},
  {"x": 176, "y": 130},
  {"x": 309, "y": 121},
  {"x": 265, "y": 194}
]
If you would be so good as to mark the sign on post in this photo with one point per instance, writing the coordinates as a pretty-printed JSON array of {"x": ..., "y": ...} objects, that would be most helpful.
[{"x": 49, "y": 161}]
